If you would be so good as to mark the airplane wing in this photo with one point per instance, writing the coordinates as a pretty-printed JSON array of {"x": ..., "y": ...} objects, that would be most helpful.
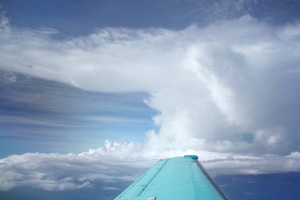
[{"x": 181, "y": 178}]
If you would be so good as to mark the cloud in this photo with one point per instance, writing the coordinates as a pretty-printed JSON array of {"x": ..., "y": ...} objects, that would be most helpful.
[
  {"x": 254, "y": 165},
  {"x": 119, "y": 162},
  {"x": 215, "y": 83},
  {"x": 68, "y": 171},
  {"x": 231, "y": 87}
]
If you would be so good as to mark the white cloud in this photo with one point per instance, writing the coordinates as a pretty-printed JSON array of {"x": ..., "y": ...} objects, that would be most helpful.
[
  {"x": 121, "y": 161},
  {"x": 231, "y": 87},
  {"x": 69, "y": 171}
]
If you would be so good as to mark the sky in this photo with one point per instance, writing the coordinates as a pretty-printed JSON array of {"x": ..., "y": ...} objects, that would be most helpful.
[{"x": 93, "y": 92}]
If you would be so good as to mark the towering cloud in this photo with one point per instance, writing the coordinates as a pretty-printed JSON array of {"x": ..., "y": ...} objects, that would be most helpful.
[{"x": 229, "y": 88}]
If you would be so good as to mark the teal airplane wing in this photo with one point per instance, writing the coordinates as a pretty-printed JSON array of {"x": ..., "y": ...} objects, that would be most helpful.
[{"x": 181, "y": 178}]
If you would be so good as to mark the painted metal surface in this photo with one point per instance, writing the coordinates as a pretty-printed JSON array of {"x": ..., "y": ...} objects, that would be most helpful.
[{"x": 181, "y": 178}]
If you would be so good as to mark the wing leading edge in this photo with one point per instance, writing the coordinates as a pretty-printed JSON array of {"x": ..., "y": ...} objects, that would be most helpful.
[{"x": 174, "y": 178}]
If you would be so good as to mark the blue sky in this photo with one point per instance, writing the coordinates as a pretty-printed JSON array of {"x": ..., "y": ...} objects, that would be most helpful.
[
  {"x": 45, "y": 116},
  {"x": 86, "y": 83},
  {"x": 84, "y": 17}
]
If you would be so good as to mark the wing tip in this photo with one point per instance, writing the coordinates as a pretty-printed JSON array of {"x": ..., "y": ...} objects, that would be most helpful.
[{"x": 194, "y": 157}]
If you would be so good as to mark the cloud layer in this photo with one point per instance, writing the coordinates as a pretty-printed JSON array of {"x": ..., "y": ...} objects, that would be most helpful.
[
  {"x": 65, "y": 172},
  {"x": 119, "y": 162},
  {"x": 230, "y": 88}
]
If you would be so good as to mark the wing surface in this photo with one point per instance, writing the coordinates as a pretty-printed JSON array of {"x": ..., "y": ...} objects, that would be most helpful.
[{"x": 181, "y": 178}]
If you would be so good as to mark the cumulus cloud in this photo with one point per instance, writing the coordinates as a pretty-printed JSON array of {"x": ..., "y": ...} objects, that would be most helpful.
[
  {"x": 231, "y": 87},
  {"x": 229, "y": 83},
  {"x": 119, "y": 162},
  {"x": 70, "y": 171}
]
